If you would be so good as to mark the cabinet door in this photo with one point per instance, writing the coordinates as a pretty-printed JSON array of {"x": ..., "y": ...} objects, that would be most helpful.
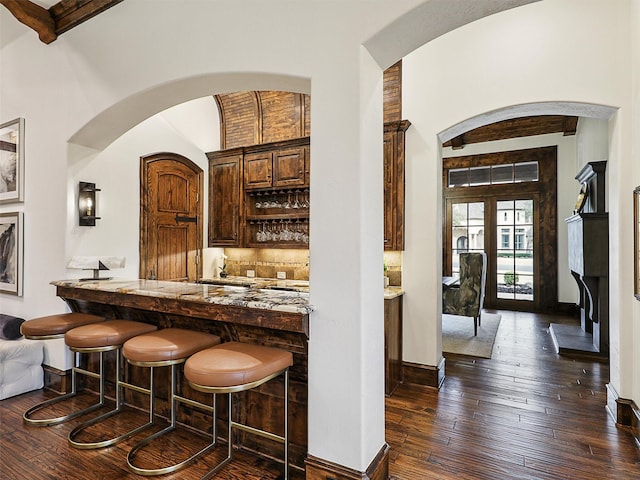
[
  {"x": 394, "y": 185},
  {"x": 258, "y": 170},
  {"x": 389, "y": 192},
  {"x": 225, "y": 176},
  {"x": 289, "y": 167}
]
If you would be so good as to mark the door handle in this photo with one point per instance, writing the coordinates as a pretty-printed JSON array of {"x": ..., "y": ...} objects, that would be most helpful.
[{"x": 186, "y": 219}]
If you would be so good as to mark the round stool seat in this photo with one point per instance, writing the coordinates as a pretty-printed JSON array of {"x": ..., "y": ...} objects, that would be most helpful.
[
  {"x": 235, "y": 363},
  {"x": 104, "y": 334},
  {"x": 57, "y": 324},
  {"x": 168, "y": 345}
]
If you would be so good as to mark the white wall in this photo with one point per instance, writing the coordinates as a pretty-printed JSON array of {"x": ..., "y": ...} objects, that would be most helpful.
[
  {"x": 112, "y": 73},
  {"x": 116, "y": 171},
  {"x": 105, "y": 76},
  {"x": 516, "y": 62},
  {"x": 632, "y": 333}
]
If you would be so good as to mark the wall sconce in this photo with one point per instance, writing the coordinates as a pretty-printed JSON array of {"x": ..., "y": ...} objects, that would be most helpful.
[{"x": 87, "y": 204}]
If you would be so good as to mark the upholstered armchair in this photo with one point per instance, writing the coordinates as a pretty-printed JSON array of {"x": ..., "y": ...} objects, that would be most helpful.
[{"x": 467, "y": 298}]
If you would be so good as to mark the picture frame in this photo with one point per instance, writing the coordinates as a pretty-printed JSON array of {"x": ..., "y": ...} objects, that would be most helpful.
[
  {"x": 582, "y": 198},
  {"x": 12, "y": 161},
  {"x": 11, "y": 252},
  {"x": 636, "y": 242}
]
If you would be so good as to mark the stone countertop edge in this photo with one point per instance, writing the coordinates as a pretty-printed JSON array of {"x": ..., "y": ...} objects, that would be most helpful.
[
  {"x": 393, "y": 292},
  {"x": 276, "y": 300}
]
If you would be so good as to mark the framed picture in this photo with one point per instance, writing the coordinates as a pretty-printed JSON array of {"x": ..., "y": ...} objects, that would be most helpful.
[
  {"x": 11, "y": 256},
  {"x": 12, "y": 161},
  {"x": 636, "y": 242},
  {"x": 582, "y": 198}
]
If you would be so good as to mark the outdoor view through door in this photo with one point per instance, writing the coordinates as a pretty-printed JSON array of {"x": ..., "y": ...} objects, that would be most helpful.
[
  {"x": 504, "y": 204},
  {"x": 510, "y": 250},
  {"x": 514, "y": 250}
]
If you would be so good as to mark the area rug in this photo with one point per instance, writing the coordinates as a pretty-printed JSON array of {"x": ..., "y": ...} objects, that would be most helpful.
[{"x": 457, "y": 335}]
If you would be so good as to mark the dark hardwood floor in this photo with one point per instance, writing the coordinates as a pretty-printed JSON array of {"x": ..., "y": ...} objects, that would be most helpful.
[{"x": 527, "y": 413}]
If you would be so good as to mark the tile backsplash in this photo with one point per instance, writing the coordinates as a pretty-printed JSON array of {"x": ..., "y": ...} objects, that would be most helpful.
[
  {"x": 267, "y": 262},
  {"x": 393, "y": 261}
]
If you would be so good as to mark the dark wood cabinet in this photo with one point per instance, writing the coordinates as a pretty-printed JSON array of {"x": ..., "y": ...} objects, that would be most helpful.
[
  {"x": 394, "y": 141},
  {"x": 392, "y": 343},
  {"x": 278, "y": 165},
  {"x": 225, "y": 198},
  {"x": 258, "y": 170},
  {"x": 259, "y": 195},
  {"x": 290, "y": 167}
]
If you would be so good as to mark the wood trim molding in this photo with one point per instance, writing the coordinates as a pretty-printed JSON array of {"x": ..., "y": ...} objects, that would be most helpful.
[
  {"x": 319, "y": 469},
  {"x": 426, "y": 375},
  {"x": 60, "y": 18},
  {"x": 33, "y": 16},
  {"x": 57, "y": 380},
  {"x": 624, "y": 412}
]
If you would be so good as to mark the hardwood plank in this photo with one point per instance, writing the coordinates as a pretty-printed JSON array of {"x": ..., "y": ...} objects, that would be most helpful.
[{"x": 526, "y": 414}]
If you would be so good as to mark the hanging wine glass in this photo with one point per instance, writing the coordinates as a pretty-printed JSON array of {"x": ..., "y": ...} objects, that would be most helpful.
[{"x": 287, "y": 202}]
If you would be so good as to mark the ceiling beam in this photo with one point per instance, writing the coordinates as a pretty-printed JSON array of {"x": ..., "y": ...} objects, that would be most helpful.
[
  {"x": 60, "y": 18},
  {"x": 71, "y": 13},
  {"x": 33, "y": 16},
  {"x": 570, "y": 126}
]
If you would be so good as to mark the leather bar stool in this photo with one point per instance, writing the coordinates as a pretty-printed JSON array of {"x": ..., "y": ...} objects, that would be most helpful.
[
  {"x": 47, "y": 328},
  {"x": 235, "y": 367},
  {"x": 102, "y": 337},
  {"x": 167, "y": 347}
]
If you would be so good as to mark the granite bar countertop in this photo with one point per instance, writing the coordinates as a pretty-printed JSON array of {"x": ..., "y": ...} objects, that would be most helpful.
[
  {"x": 275, "y": 284},
  {"x": 221, "y": 294}
]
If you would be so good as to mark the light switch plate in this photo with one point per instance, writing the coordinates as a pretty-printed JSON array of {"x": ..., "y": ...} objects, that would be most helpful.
[
  {"x": 251, "y": 273},
  {"x": 281, "y": 275}
]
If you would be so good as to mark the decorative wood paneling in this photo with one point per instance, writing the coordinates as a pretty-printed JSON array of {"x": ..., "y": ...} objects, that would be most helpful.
[
  {"x": 307, "y": 116},
  {"x": 240, "y": 117},
  {"x": 516, "y": 127},
  {"x": 251, "y": 118},
  {"x": 282, "y": 115},
  {"x": 392, "y": 102}
]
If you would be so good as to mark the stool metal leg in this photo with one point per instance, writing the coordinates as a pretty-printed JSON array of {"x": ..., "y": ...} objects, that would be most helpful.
[
  {"x": 284, "y": 439},
  {"x": 43, "y": 422},
  {"x": 118, "y": 408},
  {"x": 175, "y": 398}
]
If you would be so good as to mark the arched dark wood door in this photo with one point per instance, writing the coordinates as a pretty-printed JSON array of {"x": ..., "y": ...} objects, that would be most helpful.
[{"x": 170, "y": 218}]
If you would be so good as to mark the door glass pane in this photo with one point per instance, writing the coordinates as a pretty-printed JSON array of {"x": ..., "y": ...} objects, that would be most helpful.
[
  {"x": 459, "y": 214},
  {"x": 460, "y": 237},
  {"x": 467, "y": 231},
  {"x": 514, "y": 234}
]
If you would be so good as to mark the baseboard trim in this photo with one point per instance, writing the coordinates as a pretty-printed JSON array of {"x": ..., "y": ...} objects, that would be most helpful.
[
  {"x": 567, "y": 309},
  {"x": 57, "y": 380},
  {"x": 425, "y": 375},
  {"x": 624, "y": 412},
  {"x": 319, "y": 469}
]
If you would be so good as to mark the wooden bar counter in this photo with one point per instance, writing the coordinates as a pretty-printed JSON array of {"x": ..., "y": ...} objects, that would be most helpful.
[{"x": 267, "y": 317}]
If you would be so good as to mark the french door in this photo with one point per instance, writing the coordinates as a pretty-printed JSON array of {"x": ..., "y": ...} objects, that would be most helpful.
[
  {"x": 505, "y": 203},
  {"x": 506, "y": 228}
]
